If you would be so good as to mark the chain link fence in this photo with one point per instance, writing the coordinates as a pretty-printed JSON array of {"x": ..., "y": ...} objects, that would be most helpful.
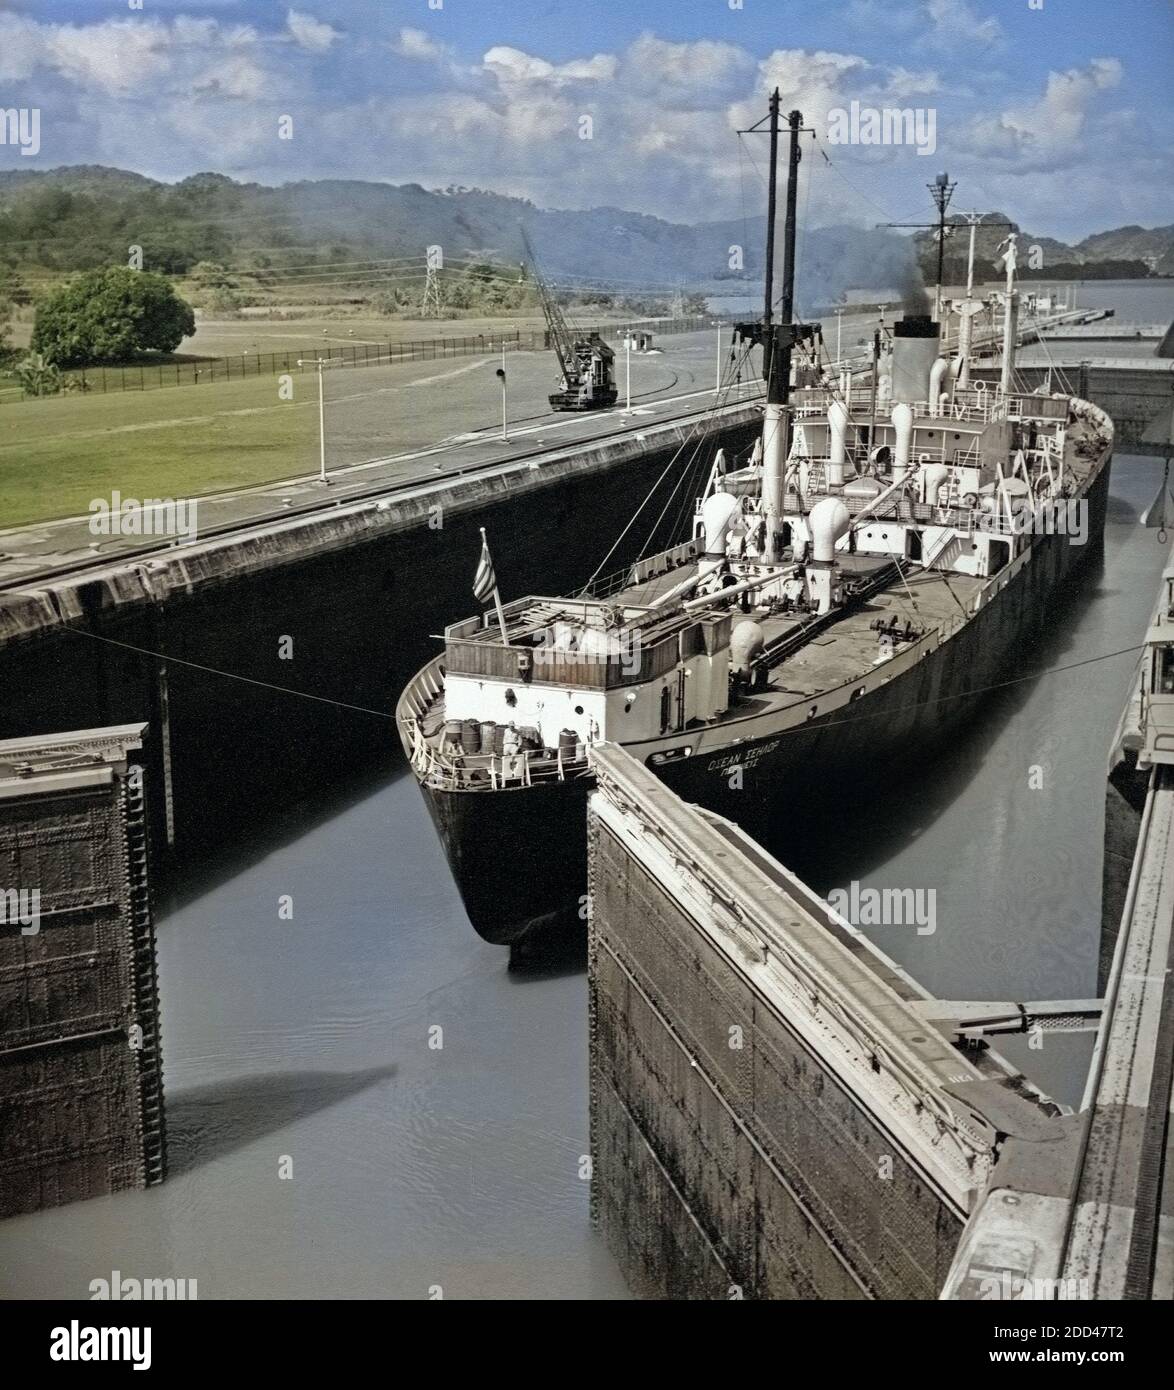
[{"x": 150, "y": 376}]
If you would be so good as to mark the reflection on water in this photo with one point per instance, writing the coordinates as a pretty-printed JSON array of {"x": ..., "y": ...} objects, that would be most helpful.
[{"x": 432, "y": 1108}]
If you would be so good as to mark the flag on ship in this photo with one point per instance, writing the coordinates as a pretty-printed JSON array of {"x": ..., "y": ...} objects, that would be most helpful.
[{"x": 485, "y": 581}]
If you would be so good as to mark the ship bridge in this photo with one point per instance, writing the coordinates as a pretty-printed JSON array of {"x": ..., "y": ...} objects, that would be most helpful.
[{"x": 565, "y": 671}]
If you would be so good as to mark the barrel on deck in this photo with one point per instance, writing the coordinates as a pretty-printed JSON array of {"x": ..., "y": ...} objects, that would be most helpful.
[{"x": 471, "y": 736}]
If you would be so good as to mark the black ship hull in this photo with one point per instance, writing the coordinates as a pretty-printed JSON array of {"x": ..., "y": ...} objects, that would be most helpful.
[{"x": 519, "y": 856}]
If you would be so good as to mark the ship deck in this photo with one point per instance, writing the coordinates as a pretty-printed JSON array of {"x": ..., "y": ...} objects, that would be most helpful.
[{"x": 838, "y": 652}]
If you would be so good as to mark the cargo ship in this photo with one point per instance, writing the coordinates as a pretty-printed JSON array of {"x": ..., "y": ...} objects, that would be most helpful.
[{"x": 849, "y": 592}]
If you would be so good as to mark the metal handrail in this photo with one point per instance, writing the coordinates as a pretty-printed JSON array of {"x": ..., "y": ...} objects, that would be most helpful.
[{"x": 431, "y": 761}]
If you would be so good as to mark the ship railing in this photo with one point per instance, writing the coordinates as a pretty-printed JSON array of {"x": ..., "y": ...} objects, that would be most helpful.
[
  {"x": 641, "y": 570},
  {"x": 493, "y": 771}
]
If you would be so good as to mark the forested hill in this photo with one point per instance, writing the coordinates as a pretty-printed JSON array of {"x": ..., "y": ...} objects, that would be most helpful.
[{"x": 83, "y": 217}]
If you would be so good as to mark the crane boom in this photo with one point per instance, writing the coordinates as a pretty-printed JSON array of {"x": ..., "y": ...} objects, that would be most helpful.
[{"x": 560, "y": 336}]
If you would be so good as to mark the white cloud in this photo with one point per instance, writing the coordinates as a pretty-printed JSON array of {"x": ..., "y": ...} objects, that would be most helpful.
[
  {"x": 511, "y": 67},
  {"x": 114, "y": 55},
  {"x": 903, "y": 83},
  {"x": 702, "y": 66},
  {"x": 236, "y": 77},
  {"x": 815, "y": 83},
  {"x": 664, "y": 112},
  {"x": 415, "y": 43},
  {"x": 310, "y": 33},
  {"x": 955, "y": 23},
  {"x": 122, "y": 57},
  {"x": 1046, "y": 131}
]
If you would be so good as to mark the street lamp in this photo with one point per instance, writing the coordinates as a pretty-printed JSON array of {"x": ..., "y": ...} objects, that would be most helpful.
[
  {"x": 505, "y": 418},
  {"x": 320, "y": 363}
]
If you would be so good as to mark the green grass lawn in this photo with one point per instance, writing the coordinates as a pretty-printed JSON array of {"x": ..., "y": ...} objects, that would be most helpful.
[
  {"x": 58, "y": 454},
  {"x": 229, "y": 337}
]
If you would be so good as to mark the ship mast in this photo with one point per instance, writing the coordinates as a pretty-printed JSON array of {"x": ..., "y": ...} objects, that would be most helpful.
[{"x": 777, "y": 340}]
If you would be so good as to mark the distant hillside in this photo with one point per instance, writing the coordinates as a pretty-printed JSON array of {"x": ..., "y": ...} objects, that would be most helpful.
[
  {"x": 1127, "y": 251},
  {"x": 82, "y": 217},
  {"x": 1154, "y": 245},
  {"x": 327, "y": 233}
]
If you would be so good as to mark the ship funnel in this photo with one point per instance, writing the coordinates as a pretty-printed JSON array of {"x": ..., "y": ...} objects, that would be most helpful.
[
  {"x": 937, "y": 375},
  {"x": 915, "y": 348},
  {"x": 718, "y": 512},
  {"x": 903, "y": 445},
  {"x": 838, "y": 433}
]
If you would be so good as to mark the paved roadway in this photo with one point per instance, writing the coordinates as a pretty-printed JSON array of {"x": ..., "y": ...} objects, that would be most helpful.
[{"x": 389, "y": 425}]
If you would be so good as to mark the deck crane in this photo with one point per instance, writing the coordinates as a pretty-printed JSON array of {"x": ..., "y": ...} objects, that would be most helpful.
[{"x": 585, "y": 362}]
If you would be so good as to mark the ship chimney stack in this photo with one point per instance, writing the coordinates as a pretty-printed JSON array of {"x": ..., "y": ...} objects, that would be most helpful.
[{"x": 916, "y": 344}]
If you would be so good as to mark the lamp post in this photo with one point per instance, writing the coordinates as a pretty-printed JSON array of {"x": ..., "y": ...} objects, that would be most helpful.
[
  {"x": 628, "y": 371},
  {"x": 505, "y": 427},
  {"x": 320, "y": 363}
]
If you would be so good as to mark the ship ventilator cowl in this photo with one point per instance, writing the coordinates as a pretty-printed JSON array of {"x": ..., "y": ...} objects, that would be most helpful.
[
  {"x": 718, "y": 513},
  {"x": 829, "y": 519}
]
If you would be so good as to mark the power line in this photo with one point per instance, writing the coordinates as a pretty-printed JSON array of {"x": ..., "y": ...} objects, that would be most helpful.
[{"x": 383, "y": 714}]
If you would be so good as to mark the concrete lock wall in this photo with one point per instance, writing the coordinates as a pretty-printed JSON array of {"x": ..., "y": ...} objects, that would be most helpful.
[
  {"x": 723, "y": 1171},
  {"x": 357, "y": 588},
  {"x": 81, "y": 1106}
]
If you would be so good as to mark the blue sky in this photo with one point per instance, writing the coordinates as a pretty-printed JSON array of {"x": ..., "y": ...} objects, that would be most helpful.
[{"x": 1057, "y": 113}]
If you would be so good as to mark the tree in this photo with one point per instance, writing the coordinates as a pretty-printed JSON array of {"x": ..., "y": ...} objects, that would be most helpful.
[
  {"x": 38, "y": 377},
  {"x": 209, "y": 275},
  {"x": 8, "y": 353},
  {"x": 110, "y": 316}
]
